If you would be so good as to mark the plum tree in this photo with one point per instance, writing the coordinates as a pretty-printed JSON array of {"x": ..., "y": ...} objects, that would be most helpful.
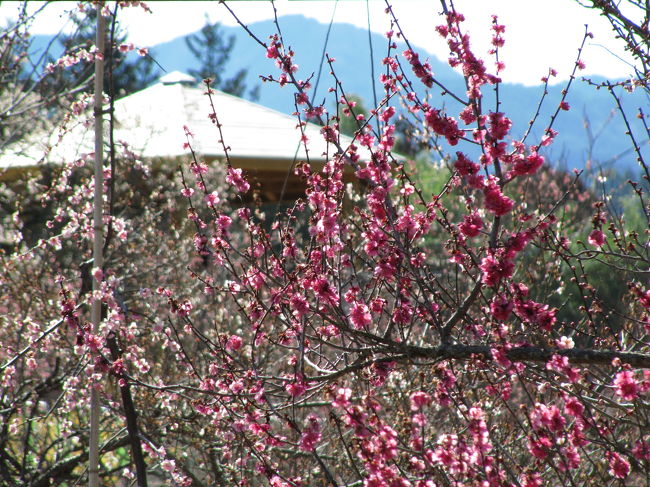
[{"x": 411, "y": 335}]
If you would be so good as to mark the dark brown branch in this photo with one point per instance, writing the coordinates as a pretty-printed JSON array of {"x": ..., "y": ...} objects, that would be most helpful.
[
  {"x": 529, "y": 354},
  {"x": 130, "y": 415},
  {"x": 405, "y": 353},
  {"x": 460, "y": 313}
]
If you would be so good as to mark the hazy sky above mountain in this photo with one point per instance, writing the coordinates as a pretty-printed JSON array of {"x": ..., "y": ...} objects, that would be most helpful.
[{"x": 539, "y": 34}]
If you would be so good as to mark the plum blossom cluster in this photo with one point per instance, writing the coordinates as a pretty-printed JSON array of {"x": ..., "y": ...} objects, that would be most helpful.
[
  {"x": 71, "y": 59},
  {"x": 463, "y": 56}
]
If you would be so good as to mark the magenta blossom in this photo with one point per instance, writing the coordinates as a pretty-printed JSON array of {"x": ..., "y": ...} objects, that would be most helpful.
[
  {"x": 596, "y": 238},
  {"x": 626, "y": 385}
]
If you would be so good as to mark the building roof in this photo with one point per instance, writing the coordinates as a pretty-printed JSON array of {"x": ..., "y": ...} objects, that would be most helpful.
[{"x": 152, "y": 121}]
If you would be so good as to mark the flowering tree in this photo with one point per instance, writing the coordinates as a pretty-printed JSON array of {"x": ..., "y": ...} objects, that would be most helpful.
[{"x": 375, "y": 334}]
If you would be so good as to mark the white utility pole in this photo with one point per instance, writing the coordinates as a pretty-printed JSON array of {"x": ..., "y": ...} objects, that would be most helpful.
[{"x": 98, "y": 242}]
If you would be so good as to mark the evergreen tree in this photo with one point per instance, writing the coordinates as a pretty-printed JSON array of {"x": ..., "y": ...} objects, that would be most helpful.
[
  {"x": 212, "y": 50},
  {"x": 124, "y": 74}
]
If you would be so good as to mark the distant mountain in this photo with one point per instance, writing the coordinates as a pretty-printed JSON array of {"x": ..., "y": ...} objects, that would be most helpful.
[{"x": 350, "y": 47}]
